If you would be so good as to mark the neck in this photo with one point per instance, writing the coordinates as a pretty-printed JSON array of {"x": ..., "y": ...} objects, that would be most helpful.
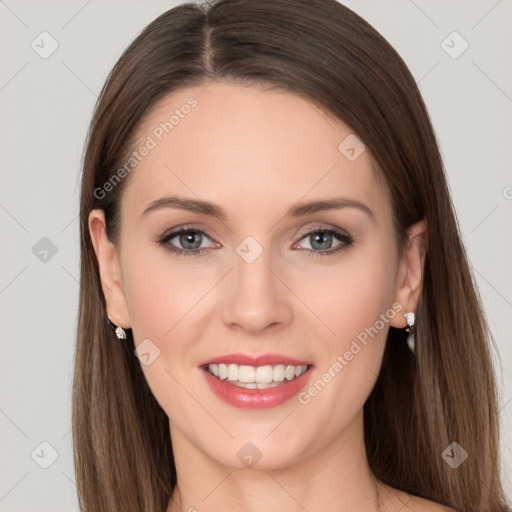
[{"x": 337, "y": 473}]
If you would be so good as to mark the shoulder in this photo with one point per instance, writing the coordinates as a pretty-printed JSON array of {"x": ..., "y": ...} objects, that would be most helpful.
[{"x": 410, "y": 503}]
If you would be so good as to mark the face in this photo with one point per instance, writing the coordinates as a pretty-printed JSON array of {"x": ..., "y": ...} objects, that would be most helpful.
[{"x": 276, "y": 291}]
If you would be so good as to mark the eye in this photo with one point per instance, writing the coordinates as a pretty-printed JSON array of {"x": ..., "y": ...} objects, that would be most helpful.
[
  {"x": 185, "y": 241},
  {"x": 321, "y": 241}
]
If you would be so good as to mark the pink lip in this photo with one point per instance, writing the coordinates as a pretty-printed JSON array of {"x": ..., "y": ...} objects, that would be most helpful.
[
  {"x": 249, "y": 360},
  {"x": 245, "y": 398}
]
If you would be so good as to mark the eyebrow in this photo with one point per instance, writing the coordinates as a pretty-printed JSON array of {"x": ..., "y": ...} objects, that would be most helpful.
[{"x": 297, "y": 210}]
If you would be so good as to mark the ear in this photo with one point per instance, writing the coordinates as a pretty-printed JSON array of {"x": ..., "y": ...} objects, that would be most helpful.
[
  {"x": 409, "y": 280},
  {"x": 110, "y": 270}
]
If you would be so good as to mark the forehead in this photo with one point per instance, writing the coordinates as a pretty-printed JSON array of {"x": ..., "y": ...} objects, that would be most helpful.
[{"x": 247, "y": 147}]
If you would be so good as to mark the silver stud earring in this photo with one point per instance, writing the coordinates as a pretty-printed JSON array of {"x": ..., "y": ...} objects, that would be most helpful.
[
  {"x": 119, "y": 331},
  {"x": 409, "y": 329}
]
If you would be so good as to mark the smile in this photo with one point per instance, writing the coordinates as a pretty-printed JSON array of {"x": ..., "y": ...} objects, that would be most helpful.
[
  {"x": 256, "y": 387},
  {"x": 252, "y": 377}
]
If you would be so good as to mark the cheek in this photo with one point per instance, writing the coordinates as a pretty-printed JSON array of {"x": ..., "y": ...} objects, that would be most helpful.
[
  {"x": 160, "y": 290},
  {"x": 165, "y": 296},
  {"x": 351, "y": 297},
  {"x": 161, "y": 296},
  {"x": 356, "y": 306}
]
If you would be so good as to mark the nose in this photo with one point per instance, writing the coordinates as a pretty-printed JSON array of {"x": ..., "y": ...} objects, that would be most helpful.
[{"x": 258, "y": 299}]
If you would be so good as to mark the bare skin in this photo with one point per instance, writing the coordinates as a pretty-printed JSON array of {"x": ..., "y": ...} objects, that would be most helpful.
[{"x": 256, "y": 154}]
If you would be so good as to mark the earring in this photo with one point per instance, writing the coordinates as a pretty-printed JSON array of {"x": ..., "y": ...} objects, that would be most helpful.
[
  {"x": 119, "y": 331},
  {"x": 409, "y": 329}
]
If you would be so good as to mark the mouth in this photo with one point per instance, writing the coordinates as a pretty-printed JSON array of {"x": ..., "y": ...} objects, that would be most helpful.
[
  {"x": 260, "y": 377},
  {"x": 248, "y": 386}
]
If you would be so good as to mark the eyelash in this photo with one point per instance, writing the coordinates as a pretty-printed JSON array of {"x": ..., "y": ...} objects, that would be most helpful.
[{"x": 164, "y": 241}]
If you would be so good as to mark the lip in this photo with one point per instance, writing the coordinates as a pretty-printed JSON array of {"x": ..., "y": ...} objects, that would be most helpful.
[
  {"x": 252, "y": 360},
  {"x": 245, "y": 398}
]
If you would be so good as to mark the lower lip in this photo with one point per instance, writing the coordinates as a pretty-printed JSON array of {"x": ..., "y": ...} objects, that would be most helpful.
[{"x": 256, "y": 398}]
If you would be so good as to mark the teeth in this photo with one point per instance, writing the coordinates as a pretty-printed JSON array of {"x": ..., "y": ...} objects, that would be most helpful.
[
  {"x": 232, "y": 372},
  {"x": 223, "y": 371},
  {"x": 278, "y": 372},
  {"x": 254, "y": 385},
  {"x": 289, "y": 373},
  {"x": 246, "y": 374},
  {"x": 252, "y": 377},
  {"x": 263, "y": 375}
]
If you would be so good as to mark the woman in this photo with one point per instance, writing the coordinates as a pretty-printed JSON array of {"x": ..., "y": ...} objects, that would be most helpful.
[{"x": 276, "y": 309}]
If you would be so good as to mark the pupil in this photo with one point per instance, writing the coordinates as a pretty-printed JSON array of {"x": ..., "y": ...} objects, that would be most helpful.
[
  {"x": 186, "y": 238},
  {"x": 323, "y": 239}
]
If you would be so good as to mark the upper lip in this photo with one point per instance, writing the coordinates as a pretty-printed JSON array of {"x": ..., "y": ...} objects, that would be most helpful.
[{"x": 255, "y": 360}]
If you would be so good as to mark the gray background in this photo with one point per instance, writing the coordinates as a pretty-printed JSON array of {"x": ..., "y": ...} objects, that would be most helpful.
[{"x": 46, "y": 105}]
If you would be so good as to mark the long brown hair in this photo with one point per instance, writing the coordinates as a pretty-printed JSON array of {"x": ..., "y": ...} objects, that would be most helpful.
[{"x": 421, "y": 403}]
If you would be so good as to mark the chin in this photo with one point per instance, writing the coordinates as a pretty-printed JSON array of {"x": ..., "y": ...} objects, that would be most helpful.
[{"x": 259, "y": 452}]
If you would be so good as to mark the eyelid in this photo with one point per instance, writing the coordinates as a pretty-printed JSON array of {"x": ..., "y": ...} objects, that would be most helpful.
[
  {"x": 320, "y": 227},
  {"x": 185, "y": 227}
]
